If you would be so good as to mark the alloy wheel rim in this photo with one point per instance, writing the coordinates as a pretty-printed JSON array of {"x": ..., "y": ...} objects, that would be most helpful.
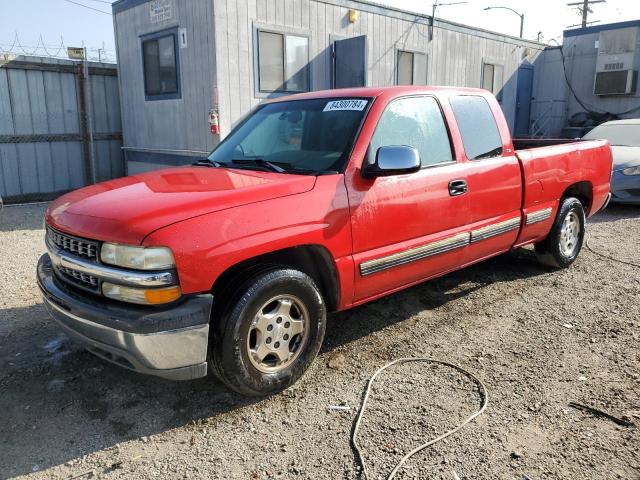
[
  {"x": 278, "y": 333},
  {"x": 569, "y": 234}
]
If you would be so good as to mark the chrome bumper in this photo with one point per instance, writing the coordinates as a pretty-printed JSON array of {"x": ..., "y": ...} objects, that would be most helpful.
[{"x": 169, "y": 343}]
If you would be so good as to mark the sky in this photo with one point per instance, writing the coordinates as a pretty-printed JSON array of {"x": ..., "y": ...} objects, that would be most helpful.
[{"x": 78, "y": 26}]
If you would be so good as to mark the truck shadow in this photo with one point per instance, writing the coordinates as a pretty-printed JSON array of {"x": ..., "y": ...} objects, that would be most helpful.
[
  {"x": 346, "y": 327},
  {"x": 60, "y": 403}
]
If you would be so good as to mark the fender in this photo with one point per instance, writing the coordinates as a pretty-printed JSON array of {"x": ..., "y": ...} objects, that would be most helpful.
[{"x": 206, "y": 246}]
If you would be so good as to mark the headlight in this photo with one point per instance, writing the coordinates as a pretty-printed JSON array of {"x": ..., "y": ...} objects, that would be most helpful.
[
  {"x": 631, "y": 171},
  {"x": 142, "y": 296},
  {"x": 138, "y": 258}
]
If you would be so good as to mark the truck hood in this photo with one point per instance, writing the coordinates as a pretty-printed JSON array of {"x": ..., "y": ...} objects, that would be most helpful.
[
  {"x": 624, "y": 157},
  {"x": 127, "y": 209}
]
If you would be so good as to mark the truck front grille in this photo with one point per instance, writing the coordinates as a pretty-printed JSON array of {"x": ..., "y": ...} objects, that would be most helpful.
[
  {"x": 75, "y": 245},
  {"x": 80, "y": 278}
]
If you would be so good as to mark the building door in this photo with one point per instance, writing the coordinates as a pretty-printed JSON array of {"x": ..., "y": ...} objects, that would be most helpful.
[
  {"x": 349, "y": 62},
  {"x": 523, "y": 100}
]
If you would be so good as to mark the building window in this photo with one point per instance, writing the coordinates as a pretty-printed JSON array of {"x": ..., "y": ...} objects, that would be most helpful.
[
  {"x": 160, "y": 64},
  {"x": 411, "y": 68},
  {"x": 493, "y": 78},
  {"x": 283, "y": 62}
]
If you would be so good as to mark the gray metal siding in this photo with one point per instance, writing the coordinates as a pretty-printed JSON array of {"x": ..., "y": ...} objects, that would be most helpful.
[
  {"x": 172, "y": 124},
  {"x": 455, "y": 55},
  {"x": 35, "y": 101},
  {"x": 581, "y": 54}
]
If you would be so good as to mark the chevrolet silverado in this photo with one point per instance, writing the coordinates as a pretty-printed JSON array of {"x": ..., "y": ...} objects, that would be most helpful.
[{"x": 314, "y": 203}]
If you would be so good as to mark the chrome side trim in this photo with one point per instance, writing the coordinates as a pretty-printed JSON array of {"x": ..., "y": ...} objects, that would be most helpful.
[
  {"x": 414, "y": 254},
  {"x": 605, "y": 205},
  {"x": 538, "y": 215},
  {"x": 495, "y": 229},
  {"x": 115, "y": 275}
]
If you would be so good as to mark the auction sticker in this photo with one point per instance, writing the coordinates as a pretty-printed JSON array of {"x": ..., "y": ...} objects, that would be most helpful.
[{"x": 335, "y": 105}]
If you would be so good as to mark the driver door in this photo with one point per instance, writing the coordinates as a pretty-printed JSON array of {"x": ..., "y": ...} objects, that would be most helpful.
[{"x": 407, "y": 228}]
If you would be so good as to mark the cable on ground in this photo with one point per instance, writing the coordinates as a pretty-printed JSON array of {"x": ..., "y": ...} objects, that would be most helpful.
[
  {"x": 356, "y": 427},
  {"x": 614, "y": 259}
]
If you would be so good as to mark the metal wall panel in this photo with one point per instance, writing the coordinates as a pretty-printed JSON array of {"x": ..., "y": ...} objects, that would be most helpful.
[
  {"x": 40, "y": 138},
  {"x": 179, "y": 124}
]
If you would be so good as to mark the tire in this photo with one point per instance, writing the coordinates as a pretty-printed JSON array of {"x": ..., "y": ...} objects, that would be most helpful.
[
  {"x": 559, "y": 250},
  {"x": 269, "y": 332}
]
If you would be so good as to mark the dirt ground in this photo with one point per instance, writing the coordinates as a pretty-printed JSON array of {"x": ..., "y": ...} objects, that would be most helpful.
[{"x": 539, "y": 339}]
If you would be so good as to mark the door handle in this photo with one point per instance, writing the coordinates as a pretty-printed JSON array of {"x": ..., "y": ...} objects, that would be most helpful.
[{"x": 457, "y": 187}]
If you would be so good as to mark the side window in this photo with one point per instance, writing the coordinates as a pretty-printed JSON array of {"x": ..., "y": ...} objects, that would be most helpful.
[
  {"x": 480, "y": 134},
  {"x": 160, "y": 66},
  {"x": 411, "y": 68},
  {"x": 416, "y": 122},
  {"x": 493, "y": 79}
]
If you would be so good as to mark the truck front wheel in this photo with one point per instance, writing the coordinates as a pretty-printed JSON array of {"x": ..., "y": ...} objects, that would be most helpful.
[
  {"x": 564, "y": 242},
  {"x": 270, "y": 332}
]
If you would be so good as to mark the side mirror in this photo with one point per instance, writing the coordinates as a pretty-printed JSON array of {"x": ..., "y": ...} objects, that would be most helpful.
[{"x": 393, "y": 160}]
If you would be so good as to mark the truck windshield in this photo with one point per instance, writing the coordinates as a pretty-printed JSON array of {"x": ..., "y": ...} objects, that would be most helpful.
[{"x": 297, "y": 136}]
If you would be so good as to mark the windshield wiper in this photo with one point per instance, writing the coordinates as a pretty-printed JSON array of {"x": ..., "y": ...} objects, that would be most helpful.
[
  {"x": 205, "y": 162},
  {"x": 490, "y": 153},
  {"x": 260, "y": 162}
]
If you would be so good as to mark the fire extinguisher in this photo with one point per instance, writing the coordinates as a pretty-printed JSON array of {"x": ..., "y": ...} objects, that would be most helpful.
[{"x": 214, "y": 122}]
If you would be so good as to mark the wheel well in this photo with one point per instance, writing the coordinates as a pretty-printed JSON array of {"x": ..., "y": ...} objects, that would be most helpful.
[
  {"x": 583, "y": 191},
  {"x": 314, "y": 260}
]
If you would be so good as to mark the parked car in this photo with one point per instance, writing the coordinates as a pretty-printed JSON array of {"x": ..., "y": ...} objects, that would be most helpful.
[
  {"x": 314, "y": 203},
  {"x": 624, "y": 137}
]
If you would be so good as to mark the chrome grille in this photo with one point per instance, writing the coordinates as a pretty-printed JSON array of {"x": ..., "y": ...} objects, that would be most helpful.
[
  {"x": 77, "y": 246},
  {"x": 79, "y": 277}
]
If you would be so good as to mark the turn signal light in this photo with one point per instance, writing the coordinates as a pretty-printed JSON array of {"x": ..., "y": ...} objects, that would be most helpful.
[
  {"x": 141, "y": 296},
  {"x": 164, "y": 295}
]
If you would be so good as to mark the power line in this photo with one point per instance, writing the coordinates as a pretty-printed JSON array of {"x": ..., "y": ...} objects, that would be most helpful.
[
  {"x": 101, "y": 1},
  {"x": 87, "y": 6}
]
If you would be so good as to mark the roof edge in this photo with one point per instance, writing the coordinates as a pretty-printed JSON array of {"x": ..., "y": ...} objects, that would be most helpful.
[{"x": 575, "y": 32}]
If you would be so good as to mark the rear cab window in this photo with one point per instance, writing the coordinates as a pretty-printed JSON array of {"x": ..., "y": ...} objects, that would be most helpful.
[{"x": 477, "y": 125}]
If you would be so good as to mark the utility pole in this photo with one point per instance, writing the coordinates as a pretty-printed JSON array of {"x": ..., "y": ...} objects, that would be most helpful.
[{"x": 584, "y": 7}]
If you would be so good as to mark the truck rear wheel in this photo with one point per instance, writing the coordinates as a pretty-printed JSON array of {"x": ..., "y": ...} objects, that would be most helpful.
[
  {"x": 564, "y": 242},
  {"x": 269, "y": 333}
]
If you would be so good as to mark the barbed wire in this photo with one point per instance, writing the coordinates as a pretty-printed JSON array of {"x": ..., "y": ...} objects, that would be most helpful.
[{"x": 58, "y": 50}]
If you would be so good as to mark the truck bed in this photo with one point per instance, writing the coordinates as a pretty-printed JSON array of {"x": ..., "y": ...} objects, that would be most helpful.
[{"x": 549, "y": 167}]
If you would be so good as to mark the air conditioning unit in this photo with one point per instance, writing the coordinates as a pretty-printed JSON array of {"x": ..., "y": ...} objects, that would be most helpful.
[
  {"x": 616, "y": 82},
  {"x": 615, "y": 68}
]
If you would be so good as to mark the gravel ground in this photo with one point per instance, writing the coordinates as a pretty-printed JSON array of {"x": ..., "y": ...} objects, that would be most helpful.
[{"x": 539, "y": 339}]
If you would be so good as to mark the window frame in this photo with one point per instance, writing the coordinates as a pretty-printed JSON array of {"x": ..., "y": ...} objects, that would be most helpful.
[
  {"x": 284, "y": 32},
  {"x": 454, "y": 156},
  {"x": 494, "y": 64},
  {"x": 413, "y": 65},
  {"x": 167, "y": 32}
]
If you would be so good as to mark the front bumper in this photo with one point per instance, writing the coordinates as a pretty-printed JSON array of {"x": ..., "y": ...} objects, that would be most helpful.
[{"x": 169, "y": 342}]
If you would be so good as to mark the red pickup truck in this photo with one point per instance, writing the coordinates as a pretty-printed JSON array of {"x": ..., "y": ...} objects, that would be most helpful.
[{"x": 314, "y": 203}]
